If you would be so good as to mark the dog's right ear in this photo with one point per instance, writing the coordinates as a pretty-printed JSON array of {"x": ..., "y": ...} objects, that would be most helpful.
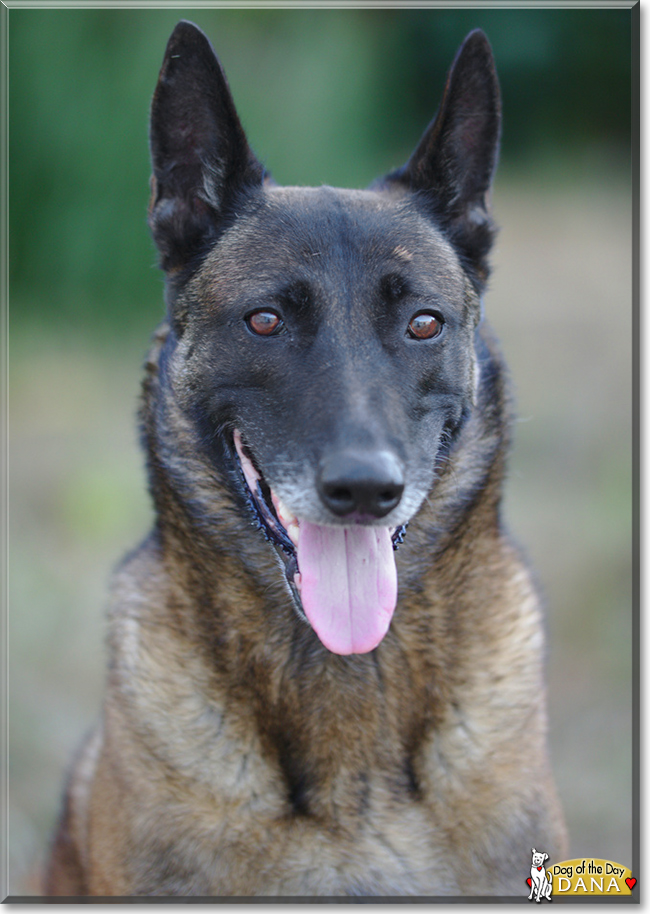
[{"x": 200, "y": 155}]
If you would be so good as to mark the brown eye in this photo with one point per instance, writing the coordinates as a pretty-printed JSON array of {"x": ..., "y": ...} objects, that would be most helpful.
[
  {"x": 425, "y": 326},
  {"x": 265, "y": 323}
]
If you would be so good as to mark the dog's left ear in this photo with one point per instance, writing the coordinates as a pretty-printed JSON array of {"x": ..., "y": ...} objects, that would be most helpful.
[{"x": 454, "y": 163}]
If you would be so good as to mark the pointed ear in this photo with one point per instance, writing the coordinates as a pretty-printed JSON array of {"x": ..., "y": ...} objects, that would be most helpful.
[
  {"x": 455, "y": 160},
  {"x": 200, "y": 155}
]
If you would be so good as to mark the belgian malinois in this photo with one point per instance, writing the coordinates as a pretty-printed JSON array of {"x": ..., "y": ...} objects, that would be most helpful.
[{"x": 295, "y": 708}]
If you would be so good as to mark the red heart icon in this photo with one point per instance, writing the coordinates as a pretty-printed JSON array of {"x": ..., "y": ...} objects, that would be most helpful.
[
  {"x": 630, "y": 883},
  {"x": 529, "y": 881},
  {"x": 539, "y": 867}
]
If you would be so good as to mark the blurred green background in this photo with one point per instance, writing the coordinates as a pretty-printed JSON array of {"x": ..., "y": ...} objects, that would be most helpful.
[{"x": 337, "y": 97}]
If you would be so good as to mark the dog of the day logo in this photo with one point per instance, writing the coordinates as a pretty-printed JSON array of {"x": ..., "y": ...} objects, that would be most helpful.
[
  {"x": 582, "y": 876},
  {"x": 540, "y": 882}
]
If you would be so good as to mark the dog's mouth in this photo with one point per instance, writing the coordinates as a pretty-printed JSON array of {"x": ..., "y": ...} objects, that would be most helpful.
[{"x": 343, "y": 579}]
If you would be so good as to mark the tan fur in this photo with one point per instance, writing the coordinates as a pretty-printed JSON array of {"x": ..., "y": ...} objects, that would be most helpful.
[{"x": 413, "y": 748}]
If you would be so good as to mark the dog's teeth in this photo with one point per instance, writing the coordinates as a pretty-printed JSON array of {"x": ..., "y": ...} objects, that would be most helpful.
[{"x": 286, "y": 517}]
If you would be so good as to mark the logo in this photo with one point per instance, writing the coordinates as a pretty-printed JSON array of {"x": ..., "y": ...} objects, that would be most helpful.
[
  {"x": 582, "y": 876},
  {"x": 540, "y": 882}
]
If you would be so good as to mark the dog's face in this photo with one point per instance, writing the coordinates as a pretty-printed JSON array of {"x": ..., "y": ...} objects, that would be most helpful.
[
  {"x": 324, "y": 339},
  {"x": 539, "y": 858},
  {"x": 334, "y": 325}
]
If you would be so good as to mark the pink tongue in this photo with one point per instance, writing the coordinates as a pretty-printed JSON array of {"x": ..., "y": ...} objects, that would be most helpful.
[{"x": 348, "y": 584}]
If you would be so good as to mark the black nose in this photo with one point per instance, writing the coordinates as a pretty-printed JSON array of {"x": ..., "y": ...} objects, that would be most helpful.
[{"x": 365, "y": 483}]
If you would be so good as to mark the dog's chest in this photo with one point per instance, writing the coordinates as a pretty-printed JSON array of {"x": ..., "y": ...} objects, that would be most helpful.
[
  {"x": 355, "y": 834},
  {"x": 388, "y": 852}
]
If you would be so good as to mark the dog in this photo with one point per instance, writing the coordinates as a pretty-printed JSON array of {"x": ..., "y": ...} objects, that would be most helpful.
[
  {"x": 294, "y": 707},
  {"x": 540, "y": 886}
]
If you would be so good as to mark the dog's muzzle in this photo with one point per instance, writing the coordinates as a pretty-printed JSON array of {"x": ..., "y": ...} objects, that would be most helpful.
[{"x": 342, "y": 578}]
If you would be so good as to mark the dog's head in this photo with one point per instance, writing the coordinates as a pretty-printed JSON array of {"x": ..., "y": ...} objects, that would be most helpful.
[
  {"x": 539, "y": 857},
  {"x": 323, "y": 339}
]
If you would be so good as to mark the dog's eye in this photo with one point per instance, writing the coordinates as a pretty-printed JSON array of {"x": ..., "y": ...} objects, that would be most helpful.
[
  {"x": 265, "y": 323},
  {"x": 425, "y": 326}
]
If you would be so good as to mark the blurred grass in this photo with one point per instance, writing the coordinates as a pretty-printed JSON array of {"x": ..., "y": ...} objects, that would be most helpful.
[{"x": 336, "y": 96}]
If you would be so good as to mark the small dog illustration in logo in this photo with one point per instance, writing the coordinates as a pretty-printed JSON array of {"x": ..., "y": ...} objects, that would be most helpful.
[{"x": 541, "y": 883}]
